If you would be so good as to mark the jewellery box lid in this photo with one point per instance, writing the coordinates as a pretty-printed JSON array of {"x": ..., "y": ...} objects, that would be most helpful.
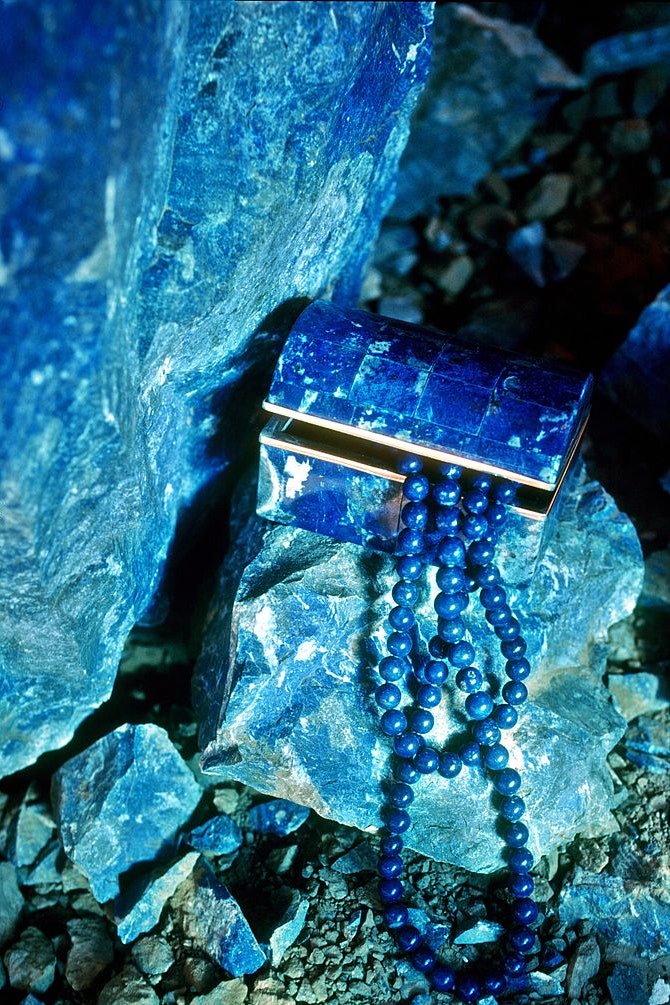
[{"x": 400, "y": 385}]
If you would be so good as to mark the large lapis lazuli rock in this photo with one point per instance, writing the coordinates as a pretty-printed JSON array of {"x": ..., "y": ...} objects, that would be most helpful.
[
  {"x": 174, "y": 177},
  {"x": 288, "y": 663}
]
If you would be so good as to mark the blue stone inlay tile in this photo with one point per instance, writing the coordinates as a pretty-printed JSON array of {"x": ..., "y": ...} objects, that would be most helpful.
[
  {"x": 473, "y": 364},
  {"x": 453, "y": 404},
  {"x": 534, "y": 383},
  {"x": 532, "y": 429},
  {"x": 393, "y": 386}
]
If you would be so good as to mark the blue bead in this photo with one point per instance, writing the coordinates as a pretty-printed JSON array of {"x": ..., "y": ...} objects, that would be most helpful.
[
  {"x": 436, "y": 672},
  {"x": 492, "y": 597},
  {"x": 483, "y": 482},
  {"x": 513, "y": 648},
  {"x": 451, "y": 580},
  {"x": 423, "y": 959},
  {"x": 446, "y": 492},
  {"x": 499, "y": 615},
  {"x": 496, "y": 757},
  {"x": 521, "y": 939},
  {"x": 450, "y": 630},
  {"x": 516, "y": 835},
  {"x": 505, "y": 716},
  {"x": 451, "y": 551},
  {"x": 405, "y": 772},
  {"x": 389, "y": 866},
  {"x": 416, "y": 487},
  {"x": 421, "y": 720},
  {"x": 475, "y": 502},
  {"x": 426, "y": 761},
  {"x": 517, "y": 669},
  {"x": 390, "y": 890},
  {"x": 514, "y": 692},
  {"x": 496, "y": 516},
  {"x": 449, "y": 470},
  {"x": 486, "y": 733},
  {"x": 505, "y": 492},
  {"x": 513, "y": 964},
  {"x": 479, "y": 705},
  {"x": 448, "y": 521},
  {"x": 461, "y": 654},
  {"x": 401, "y": 618},
  {"x": 405, "y": 594},
  {"x": 520, "y": 860},
  {"x": 475, "y": 527},
  {"x": 438, "y": 648},
  {"x": 509, "y": 630},
  {"x": 450, "y": 764},
  {"x": 401, "y": 795},
  {"x": 469, "y": 679},
  {"x": 391, "y": 844},
  {"x": 396, "y": 915},
  {"x": 410, "y": 542},
  {"x": 507, "y": 781},
  {"x": 391, "y": 668},
  {"x": 407, "y": 745},
  {"x": 512, "y": 808},
  {"x": 397, "y": 821},
  {"x": 388, "y": 695},
  {"x": 495, "y": 984},
  {"x": 443, "y": 978},
  {"x": 450, "y": 605},
  {"x": 481, "y": 553},
  {"x": 486, "y": 575},
  {"x": 428, "y": 696},
  {"x": 471, "y": 755},
  {"x": 399, "y": 644},
  {"x": 415, "y": 515},
  {"x": 393, "y": 722},
  {"x": 407, "y": 938},
  {"x": 525, "y": 911},
  {"x": 468, "y": 988},
  {"x": 409, "y": 567},
  {"x": 520, "y": 884},
  {"x": 409, "y": 464}
]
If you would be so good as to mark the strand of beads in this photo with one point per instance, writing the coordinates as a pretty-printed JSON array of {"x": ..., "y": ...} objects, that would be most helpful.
[{"x": 470, "y": 525}]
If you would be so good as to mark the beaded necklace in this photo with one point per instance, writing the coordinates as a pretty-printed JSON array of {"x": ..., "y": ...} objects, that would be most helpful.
[{"x": 470, "y": 521}]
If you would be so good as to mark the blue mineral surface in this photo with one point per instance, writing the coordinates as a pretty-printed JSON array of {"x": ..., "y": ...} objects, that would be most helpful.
[
  {"x": 172, "y": 175},
  {"x": 277, "y": 816},
  {"x": 219, "y": 836},
  {"x": 144, "y": 913},
  {"x": 624, "y": 912},
  {"x": 297, "y": 627},
  {"x": 213, "y": 920},
  {"x": 637, "y": 377},
  {"x": 121, "y": 802},
  {"x": 289, "y": 927}
]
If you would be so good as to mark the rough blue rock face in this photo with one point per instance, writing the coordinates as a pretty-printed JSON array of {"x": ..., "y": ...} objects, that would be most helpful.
[
  {"x": 213, "y": 919},
  {"x": 277, "y": 816},
  {"x": 478, "y": 105},
  {"x": 296, "y": 631},
  {"x": 638, "y": 375},
  {"x": 634, "y": 914},
  {"x": 121, "y": 802},
  {"x": 219, "y": 836},
  {"x": 197, "y": 167},
  {"x": 144, "y": 911}
]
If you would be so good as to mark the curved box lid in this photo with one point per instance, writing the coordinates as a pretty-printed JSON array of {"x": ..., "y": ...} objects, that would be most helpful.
[{"x": 397, "y": 384}]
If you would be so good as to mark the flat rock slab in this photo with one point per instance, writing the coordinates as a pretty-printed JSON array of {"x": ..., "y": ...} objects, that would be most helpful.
[
  {"x": 230, "y": 161},
  {"x": 295, "y": 633},
  {"x": 121, "y": 802}
]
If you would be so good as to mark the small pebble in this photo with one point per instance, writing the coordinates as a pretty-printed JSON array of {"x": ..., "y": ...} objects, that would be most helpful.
[
  {"x": 549, "y": 197},
  {"x": 583, "y": 965},
  {"x": 278, "y": 816},
  {"x": 31, "y": 962},
  {"x": 630, "y": 136}
]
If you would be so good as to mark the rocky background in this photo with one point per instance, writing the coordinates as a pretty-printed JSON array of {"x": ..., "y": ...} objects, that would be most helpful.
[{"x": 142, "y": 324}]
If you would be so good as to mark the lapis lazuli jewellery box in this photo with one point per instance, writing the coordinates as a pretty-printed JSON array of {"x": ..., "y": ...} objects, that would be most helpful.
[{"x": 352, "y": 390}]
